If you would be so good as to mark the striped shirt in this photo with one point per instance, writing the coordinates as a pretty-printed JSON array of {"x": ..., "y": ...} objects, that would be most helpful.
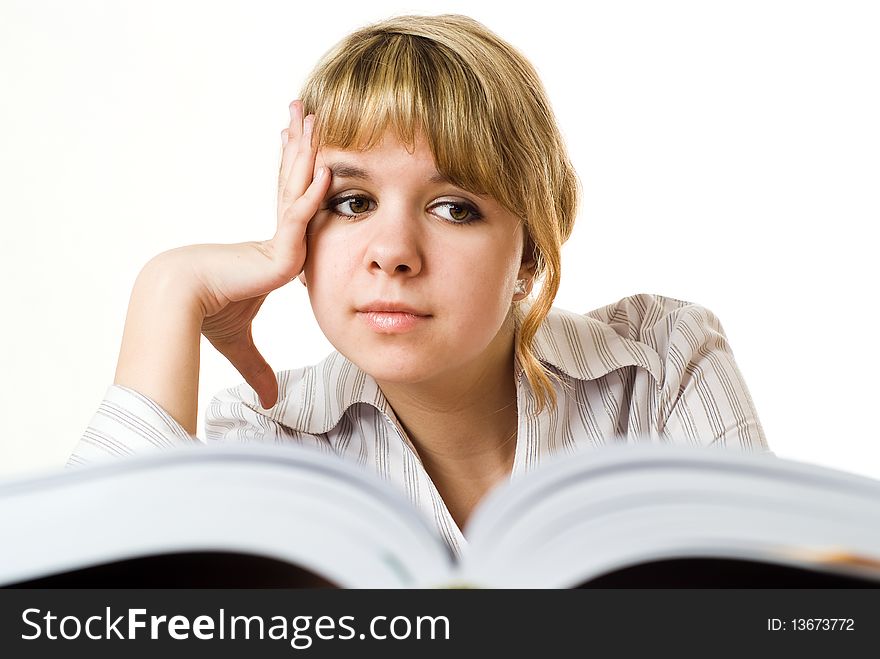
[{"x": 647, "y": 368}]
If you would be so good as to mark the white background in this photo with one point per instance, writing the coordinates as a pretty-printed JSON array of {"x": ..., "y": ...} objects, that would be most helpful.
[{"x": 728, "y": 151}]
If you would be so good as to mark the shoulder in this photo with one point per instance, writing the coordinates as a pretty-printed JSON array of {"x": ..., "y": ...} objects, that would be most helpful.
[
  {"x": 675, "y": 329},
  {"x": 697, "y": 396},
  {"x": 644, "y": 330},
  {"x": 649, "y": 316},
  {"x": 703, "y": 398}
]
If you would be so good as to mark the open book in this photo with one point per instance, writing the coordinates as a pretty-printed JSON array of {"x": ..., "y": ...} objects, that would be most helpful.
[{"x": 262, "y": 516}]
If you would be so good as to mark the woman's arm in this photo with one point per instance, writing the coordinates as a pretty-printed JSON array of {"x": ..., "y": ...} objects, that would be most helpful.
[
  {"x": 213, "y": 290},
  {"x": 159, "y": 357}
]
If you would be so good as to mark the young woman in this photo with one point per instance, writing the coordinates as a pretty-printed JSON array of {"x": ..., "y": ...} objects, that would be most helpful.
[{"x": 424, "y": 189}]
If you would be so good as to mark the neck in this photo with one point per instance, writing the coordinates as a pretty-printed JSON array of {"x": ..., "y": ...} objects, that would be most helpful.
[{"x": 463, "y": 424}]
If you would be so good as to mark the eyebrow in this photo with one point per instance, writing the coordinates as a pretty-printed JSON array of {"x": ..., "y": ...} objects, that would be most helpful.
[{"x": 347, "y": 170}]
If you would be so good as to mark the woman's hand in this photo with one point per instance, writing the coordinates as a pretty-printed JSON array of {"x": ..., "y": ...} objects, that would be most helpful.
[{"x": 234, "y": 280}]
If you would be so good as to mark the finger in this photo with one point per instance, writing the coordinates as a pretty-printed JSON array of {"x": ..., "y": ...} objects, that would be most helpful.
[
  {"x": 296, "y": 118},
  {"x": 266, "y": 388},
  {"x": 303, "y": 166},
  {"x": 302, "y": 170},
  {"x": 290, "y": 180},
  {"x": 256, "y": 371},
  {"x": 285, "y": 138},
  {"x": 295, "y": 218},
  {"x": 294, "y": 132}
]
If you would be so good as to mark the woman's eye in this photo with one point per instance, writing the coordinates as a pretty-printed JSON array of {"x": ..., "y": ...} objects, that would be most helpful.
[
  {"x": 357, "y": 207},
  {"x": 459, "y": 212}
]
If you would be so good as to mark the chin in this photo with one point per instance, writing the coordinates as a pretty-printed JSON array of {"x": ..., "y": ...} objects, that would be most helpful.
[{"x": 399, "y": 369}]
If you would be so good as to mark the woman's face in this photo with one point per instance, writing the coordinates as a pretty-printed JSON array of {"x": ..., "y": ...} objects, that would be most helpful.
[{"x": 409, "y": 240}]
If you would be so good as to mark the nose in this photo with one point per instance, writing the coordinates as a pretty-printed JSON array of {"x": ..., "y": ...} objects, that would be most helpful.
[{"x": 394, "y": 244}]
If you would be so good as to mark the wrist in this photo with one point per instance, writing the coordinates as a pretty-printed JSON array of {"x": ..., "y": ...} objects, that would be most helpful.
[{"x": 171, "y": 278}]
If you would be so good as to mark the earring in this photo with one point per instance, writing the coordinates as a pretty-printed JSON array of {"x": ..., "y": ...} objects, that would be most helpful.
[{"x": 520, "y": 287}]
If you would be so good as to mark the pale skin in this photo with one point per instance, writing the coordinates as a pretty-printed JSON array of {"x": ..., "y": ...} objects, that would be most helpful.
[{"x": 449, "y": 380}]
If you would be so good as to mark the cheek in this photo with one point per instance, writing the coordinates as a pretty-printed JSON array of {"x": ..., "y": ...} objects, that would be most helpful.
[
  {"x": 328, "y": 263},
  {"x": 328, "y": 276},
  {"x": 477, "y": 280}
]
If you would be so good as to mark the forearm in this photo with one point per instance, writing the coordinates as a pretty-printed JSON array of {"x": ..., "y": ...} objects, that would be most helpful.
[{"x": 159, "y": 356}]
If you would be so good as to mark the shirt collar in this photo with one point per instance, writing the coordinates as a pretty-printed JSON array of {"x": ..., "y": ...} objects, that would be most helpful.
[
  {"x": 588, "y": 346},
  {"x": 327, "y": 390},
  {"x": 580, "y": 346}
]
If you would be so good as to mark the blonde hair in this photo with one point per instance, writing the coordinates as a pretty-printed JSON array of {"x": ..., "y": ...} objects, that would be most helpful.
[{"x": 483, "y": 111}]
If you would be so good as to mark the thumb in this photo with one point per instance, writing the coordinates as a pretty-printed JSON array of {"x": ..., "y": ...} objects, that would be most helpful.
[
  {"x": 256, "y": 371},
  {"x": 264, "y": 383}
]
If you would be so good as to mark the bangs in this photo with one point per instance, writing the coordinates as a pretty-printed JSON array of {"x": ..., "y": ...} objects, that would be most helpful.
[{"x": 414, "y": 88}]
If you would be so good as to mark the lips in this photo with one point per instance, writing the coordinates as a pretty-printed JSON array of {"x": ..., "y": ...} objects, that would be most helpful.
[
  {"x": 387, "y": 306},
  {"x": 392, "y": 316}
]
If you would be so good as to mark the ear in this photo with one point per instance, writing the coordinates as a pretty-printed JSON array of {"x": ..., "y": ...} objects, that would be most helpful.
[
  {"x": 528, "y": 263},
  {"x": 527, "y": 267}
]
